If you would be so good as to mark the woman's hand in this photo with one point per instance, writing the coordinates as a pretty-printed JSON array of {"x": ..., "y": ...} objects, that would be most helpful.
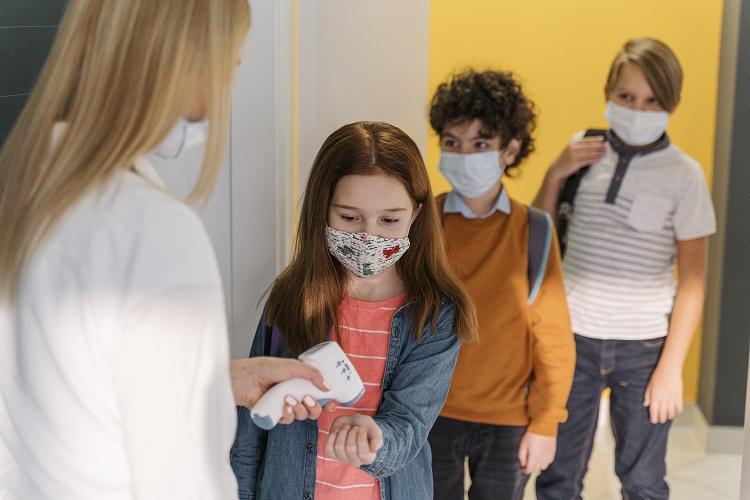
[
  {"x": 252, "y": 377},
  {"x": 577, "y": 154},
  {"x": 536, "y": 452},
  {"x": 354, "y": 439},
  {"x": 664, "y": 394}
]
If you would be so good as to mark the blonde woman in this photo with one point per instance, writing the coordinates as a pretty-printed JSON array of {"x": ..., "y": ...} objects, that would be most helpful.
[{"x": 114, "y": 364}]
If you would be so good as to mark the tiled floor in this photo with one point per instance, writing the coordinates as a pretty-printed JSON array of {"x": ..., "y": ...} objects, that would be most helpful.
[{"x": 693, "y": 474}]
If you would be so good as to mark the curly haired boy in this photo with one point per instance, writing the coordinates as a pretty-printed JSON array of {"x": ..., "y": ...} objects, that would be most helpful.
[{"x": 510, "y": 388}]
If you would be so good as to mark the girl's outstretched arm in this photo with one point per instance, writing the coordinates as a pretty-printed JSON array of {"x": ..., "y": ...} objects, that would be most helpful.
[{"x": 415, "y": 397}]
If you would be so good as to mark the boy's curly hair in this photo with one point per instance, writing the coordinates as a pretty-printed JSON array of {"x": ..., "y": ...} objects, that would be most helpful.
[{"x": 495, "y": 98}]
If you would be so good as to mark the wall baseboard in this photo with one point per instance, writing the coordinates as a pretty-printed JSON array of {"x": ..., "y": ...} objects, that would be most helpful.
[{"x": 717, "y": 438}]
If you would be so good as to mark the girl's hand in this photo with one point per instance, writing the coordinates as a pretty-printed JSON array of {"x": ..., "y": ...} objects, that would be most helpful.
[
  {"x": 664, "y": 394},
  {"x": 577, "y": 154},
  {"x": 308, "y": 408},
  {"x": 536, "y": 452},
  {"x": 354, "y": 439}
]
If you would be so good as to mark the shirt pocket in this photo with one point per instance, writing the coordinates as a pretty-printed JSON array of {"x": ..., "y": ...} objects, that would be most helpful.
[{"x": 649, "y": 212}]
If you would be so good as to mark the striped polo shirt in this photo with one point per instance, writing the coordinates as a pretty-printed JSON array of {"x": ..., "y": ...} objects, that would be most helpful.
[
  {"x": 620, "y": 259},
  {"x": 364, "y": 335}
]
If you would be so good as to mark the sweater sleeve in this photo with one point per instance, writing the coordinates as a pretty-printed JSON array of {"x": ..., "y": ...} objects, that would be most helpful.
[{"x": 553, "y": 351}]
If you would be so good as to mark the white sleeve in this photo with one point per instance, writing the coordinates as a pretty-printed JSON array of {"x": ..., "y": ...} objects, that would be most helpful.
[
  {"x": 694, "y": 216},
  {"x": 172, "y": 373}
]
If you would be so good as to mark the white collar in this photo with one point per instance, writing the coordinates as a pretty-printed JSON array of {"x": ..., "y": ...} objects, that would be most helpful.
[
  {"x": 145, "y": 169},
  {"x": 454, "y": 204}
]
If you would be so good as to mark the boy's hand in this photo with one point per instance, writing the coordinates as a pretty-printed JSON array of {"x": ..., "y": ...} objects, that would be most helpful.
[
  {"x": 577, "y": 154},
  {"x": 664, "y": 394},
  {"x": 536, "y": 452},
  {"x": 354, "y": 439}
]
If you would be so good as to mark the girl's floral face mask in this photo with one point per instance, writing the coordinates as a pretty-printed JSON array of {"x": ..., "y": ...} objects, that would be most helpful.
[{"x": 364, "y": 254}]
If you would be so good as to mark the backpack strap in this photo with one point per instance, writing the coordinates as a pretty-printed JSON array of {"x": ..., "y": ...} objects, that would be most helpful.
[
  {"x": 276, "y": 344},
  {"x": 540, "y": 243},
  {"x": 566, "y": 201}
]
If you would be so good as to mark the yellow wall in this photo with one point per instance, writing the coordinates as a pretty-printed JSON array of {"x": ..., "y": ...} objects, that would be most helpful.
[{"x": 561, "y": 50}]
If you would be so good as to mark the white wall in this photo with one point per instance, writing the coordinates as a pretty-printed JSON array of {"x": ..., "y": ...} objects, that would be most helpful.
[
  {"x": 358, "y": 60},
  {"x": 361, "y": 60},
  {"x": 247, "y": 217},
  {"x": 261, "y": 164}
]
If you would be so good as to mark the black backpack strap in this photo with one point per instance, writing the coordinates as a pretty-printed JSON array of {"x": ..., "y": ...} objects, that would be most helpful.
[
  {"x": 565, "y": 206},
  {"x": 540, "y": 243},
  {"x": 566, "y": 201}
]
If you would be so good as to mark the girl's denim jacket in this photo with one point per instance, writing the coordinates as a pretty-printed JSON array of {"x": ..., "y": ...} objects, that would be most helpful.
[{"x": 280, "y": 464}]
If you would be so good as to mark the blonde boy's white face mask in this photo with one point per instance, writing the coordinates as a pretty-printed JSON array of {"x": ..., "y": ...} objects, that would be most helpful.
[{"x": 636, "y": 128}]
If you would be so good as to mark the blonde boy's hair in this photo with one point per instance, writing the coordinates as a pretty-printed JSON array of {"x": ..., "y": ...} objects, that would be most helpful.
[
  {"x": 120, "y": 75},
  {"x": 660, "y": 65}
]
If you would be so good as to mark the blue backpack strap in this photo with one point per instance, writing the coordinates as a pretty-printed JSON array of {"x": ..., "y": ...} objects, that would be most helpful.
[{"x": 540, "y": 243}]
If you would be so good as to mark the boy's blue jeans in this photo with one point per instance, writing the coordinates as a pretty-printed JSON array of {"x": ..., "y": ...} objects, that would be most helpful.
[
  {"x": 492, "y": 451},
  {"x": 624, "y": 366}
]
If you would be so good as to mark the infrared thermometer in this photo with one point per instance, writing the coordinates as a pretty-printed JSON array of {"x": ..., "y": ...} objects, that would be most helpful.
[{"x": 346, "y": 386}]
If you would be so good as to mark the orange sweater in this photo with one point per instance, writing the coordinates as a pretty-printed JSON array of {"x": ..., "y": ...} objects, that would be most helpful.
[{"x": 522, "y": 347}]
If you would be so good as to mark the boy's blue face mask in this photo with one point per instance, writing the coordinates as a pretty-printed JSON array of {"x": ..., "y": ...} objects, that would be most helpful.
[{"x": 471, "y": 175}]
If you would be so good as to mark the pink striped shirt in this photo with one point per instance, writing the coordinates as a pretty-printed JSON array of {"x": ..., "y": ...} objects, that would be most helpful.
[{"x": 365, "y": 334}]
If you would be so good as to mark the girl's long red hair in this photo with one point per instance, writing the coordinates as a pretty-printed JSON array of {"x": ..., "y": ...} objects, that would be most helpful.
[{"x": 305, "y": 298}]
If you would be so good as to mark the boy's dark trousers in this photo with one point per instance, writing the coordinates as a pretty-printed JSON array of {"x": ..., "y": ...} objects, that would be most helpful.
[
  {"x": 625, "y": 366},
  {"x": 492, "y": 451}
]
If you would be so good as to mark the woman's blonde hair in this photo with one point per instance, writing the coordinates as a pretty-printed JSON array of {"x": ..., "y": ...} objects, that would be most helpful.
[
  {"x": 120, "y": 74},
  {"x": 660, "y": 65}
]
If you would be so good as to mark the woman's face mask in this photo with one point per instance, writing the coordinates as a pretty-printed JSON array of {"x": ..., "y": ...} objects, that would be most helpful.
[{"x": 184, "y": 136}]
